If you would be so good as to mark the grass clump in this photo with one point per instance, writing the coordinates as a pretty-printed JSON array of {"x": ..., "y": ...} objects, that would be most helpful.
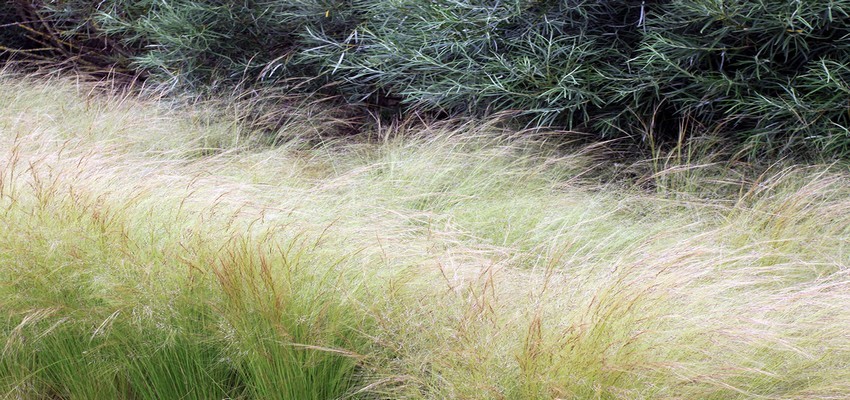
[
  {"x": 122, "y": 290},
  {"x": 446, "y": 260}
]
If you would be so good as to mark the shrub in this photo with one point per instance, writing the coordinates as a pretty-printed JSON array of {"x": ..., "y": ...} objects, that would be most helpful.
[
  {"x": 61, "y": 34},
  {"x": 771, "y": 76},
  {"x": 773, "y": 73},
  {"x": 197, "y": 44},
  {"x": 544, "y": 59}
]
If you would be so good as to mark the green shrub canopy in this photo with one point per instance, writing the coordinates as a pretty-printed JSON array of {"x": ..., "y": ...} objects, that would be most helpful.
[{"x": 772, "y": 74}]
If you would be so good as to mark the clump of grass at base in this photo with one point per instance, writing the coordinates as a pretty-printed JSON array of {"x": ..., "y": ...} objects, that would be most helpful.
[
  {"x": 114, "y": 289},
  {"x": 446, "y": 261}
]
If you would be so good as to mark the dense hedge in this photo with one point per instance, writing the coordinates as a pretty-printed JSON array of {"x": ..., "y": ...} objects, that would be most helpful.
[{"x": 773, "y": 74}]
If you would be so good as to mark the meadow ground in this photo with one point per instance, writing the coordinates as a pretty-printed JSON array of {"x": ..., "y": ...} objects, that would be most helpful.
[{"x": 149, "y": 252}]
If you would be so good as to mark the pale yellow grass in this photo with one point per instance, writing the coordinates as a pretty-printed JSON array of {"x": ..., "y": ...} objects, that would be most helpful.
[{"x": 493, "y": 265}]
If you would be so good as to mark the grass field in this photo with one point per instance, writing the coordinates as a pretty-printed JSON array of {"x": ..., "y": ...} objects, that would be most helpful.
[{"x": 149, "y": 253}]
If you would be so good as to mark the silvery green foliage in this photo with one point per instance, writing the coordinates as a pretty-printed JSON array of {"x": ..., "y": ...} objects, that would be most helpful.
[
  {"x": 769, "y": 74},
  {"x": 198, "y": 43},
  {"x": 545, "y": 59},
  {"x": 774, "y": 73}
]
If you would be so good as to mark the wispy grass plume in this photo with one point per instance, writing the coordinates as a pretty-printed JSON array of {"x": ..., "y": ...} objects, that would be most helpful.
[{"x": 451, "y": 260}]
